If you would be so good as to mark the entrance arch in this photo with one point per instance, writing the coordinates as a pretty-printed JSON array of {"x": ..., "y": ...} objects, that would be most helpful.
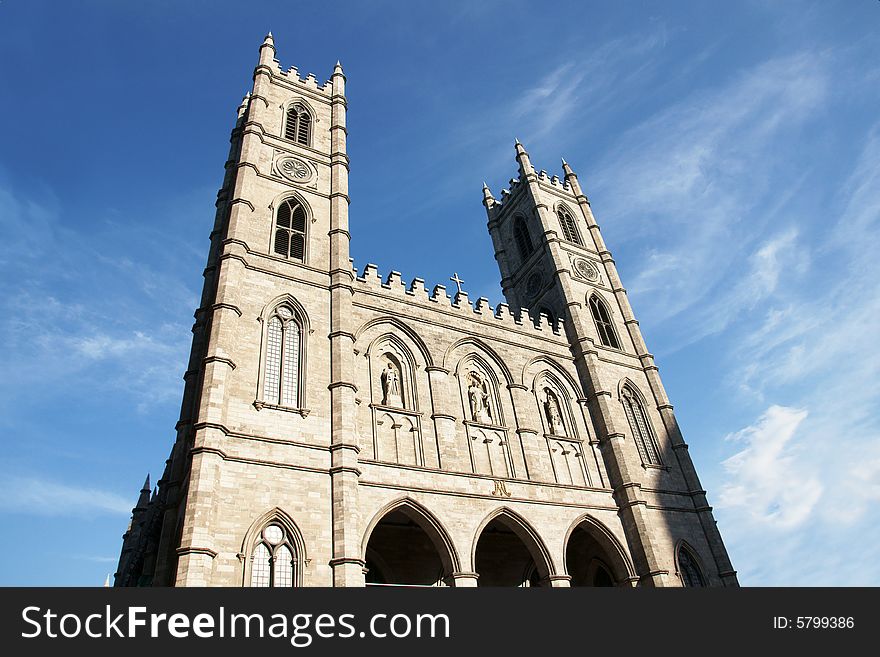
[
  {"x": 508, "y": 552},
  {"x": 405, "y": 545},
  {"x": 593, "y": 556}
]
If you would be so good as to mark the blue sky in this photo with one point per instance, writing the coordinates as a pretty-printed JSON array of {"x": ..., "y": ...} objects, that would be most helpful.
[{"x": 731, "y": 152}]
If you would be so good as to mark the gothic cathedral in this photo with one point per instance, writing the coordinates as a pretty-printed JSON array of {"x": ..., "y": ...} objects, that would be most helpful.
[{"x": 346, "y": 429}]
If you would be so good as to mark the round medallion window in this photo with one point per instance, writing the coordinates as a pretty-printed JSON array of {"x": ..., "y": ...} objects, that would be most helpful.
[
  {"x": 295, "y": 169},
  {"x": 585, "y": 269},
  {"x": 273, "y": 534},
  {"x": 534, "y": 284}
]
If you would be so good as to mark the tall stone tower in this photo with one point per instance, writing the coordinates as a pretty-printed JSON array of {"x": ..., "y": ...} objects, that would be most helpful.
[
  {"x": 341, "y": 429},
  {"x": 552, "y": 257}
]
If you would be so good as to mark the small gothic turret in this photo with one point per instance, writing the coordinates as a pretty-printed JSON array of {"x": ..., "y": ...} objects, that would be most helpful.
[
  {"x": 572, "y": 179},
  {"x": 488, "y": 199},
  {"x": 144, "y": 498},
  {"x": 267, "y": 50},
  {"x": 522, "y": 156}
]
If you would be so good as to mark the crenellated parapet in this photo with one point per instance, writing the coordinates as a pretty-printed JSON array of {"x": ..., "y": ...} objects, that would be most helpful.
[{"x": 393, "y": 287}]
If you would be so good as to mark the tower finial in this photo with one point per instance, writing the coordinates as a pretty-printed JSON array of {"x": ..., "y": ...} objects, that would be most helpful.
[
  {"x": 267, "y": 51},
  {"x": 144, "y": 497},
  {"x": 337, "y": 70},
  {"x": 525, "y": 164},
  {"x": 567, "y": 169},
  {"x": 488, "y": 199}
]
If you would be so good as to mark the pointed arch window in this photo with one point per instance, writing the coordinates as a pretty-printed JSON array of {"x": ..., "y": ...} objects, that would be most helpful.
[
  {"x": 290, "y": 230},
  {"x": 298, "y": 125},
  {"x": 523, "y": 239},
  {"x": 281, "y": 378},
  {"x": 569, "y": 227},
  {"x": 604, "y": 326},
  {"x": 273, "y": 559},
  {"x": 640, "y": 427},
  {"x": 688, "y": 570}
]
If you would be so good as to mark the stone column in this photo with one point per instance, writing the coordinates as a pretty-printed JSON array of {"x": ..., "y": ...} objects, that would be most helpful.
[
  {"x": 463, "y": 580},
  {"x": 347, "y": 562},
  {"x": 444, "y": 413}
]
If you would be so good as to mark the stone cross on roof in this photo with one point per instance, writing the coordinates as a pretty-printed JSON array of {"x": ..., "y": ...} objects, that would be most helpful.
[{"x": 455, "y": 279}]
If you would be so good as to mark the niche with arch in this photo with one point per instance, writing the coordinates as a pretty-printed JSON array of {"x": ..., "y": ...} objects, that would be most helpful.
[
  {"x": 394, "y": 370},
  {"x": 568, "y": 443},
  {"x": 487, "y": 433}
]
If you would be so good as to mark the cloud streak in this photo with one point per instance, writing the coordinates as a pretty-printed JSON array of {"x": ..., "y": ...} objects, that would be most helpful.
[{"x": 42, "y": 497}]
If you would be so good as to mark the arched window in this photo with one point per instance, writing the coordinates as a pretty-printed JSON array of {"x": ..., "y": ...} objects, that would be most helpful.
[
  {"x": 602, "y": 318},
  {"x": 523, "y": 239},
  {"x": 290, "y": 230},
  {"x": 298, "y": 125},
  {"x": 688, "y": 569},
  {"x": 640, "y": 427},
  {"x": 281, "y": 379},
  {"x": 273, "y": 562},
  {"x": 569, "y": 227}
]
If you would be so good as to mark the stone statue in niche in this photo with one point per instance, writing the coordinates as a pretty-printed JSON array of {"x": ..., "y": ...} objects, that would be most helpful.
[
  {"x": 552, "y": 411},
  {"x": 478, "y": 398},
  {"x": 391, "y": 386}
]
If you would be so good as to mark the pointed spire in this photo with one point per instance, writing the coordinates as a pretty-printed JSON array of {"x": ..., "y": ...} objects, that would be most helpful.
[
  {"x": 525, "y": 165},
  {"x": 567, "y": 169},
  {"x": 267, "y": 50},
  {"x": 144, "y": 497},
  {"x": 107, "y": 581},
  {"x": 337, "y": 70},
  {"x": 488, "y": 199}
]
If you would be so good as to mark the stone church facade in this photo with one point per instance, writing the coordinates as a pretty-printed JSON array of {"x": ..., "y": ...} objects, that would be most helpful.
[{"x": 343, "y": 428}]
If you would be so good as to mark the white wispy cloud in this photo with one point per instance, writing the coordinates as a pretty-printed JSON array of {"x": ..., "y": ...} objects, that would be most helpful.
[
  {"x": 44, "y": 497},
  {"x": 762, "y": 476},
  {"x": 814, "y": 478},
  {"x": 75, "y": 307},
  {"x": 690, "y": 183}
]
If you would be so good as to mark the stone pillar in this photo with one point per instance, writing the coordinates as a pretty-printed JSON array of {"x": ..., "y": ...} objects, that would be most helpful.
[
  {"x": 533, "y": 443},
  {"x": 559, "y": 581},
  {"x": 444, "y": 413},
  {"x": 347, "y": 562},
  {"x": 463, "y": 580}
]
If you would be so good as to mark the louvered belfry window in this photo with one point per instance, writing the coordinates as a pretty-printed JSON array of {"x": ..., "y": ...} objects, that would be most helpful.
[
  {"x": 688, "y": 569},
  {"x": 290, "y": 230},
  {"x": 523, "y": 239},
  {"x": 569, "y": 227},
  {"x": 640, "y": 427},
  {"x": 603, "y": 323},
  {"x": 298, "y": 126},
  {"x": 283, "y": 354}
]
